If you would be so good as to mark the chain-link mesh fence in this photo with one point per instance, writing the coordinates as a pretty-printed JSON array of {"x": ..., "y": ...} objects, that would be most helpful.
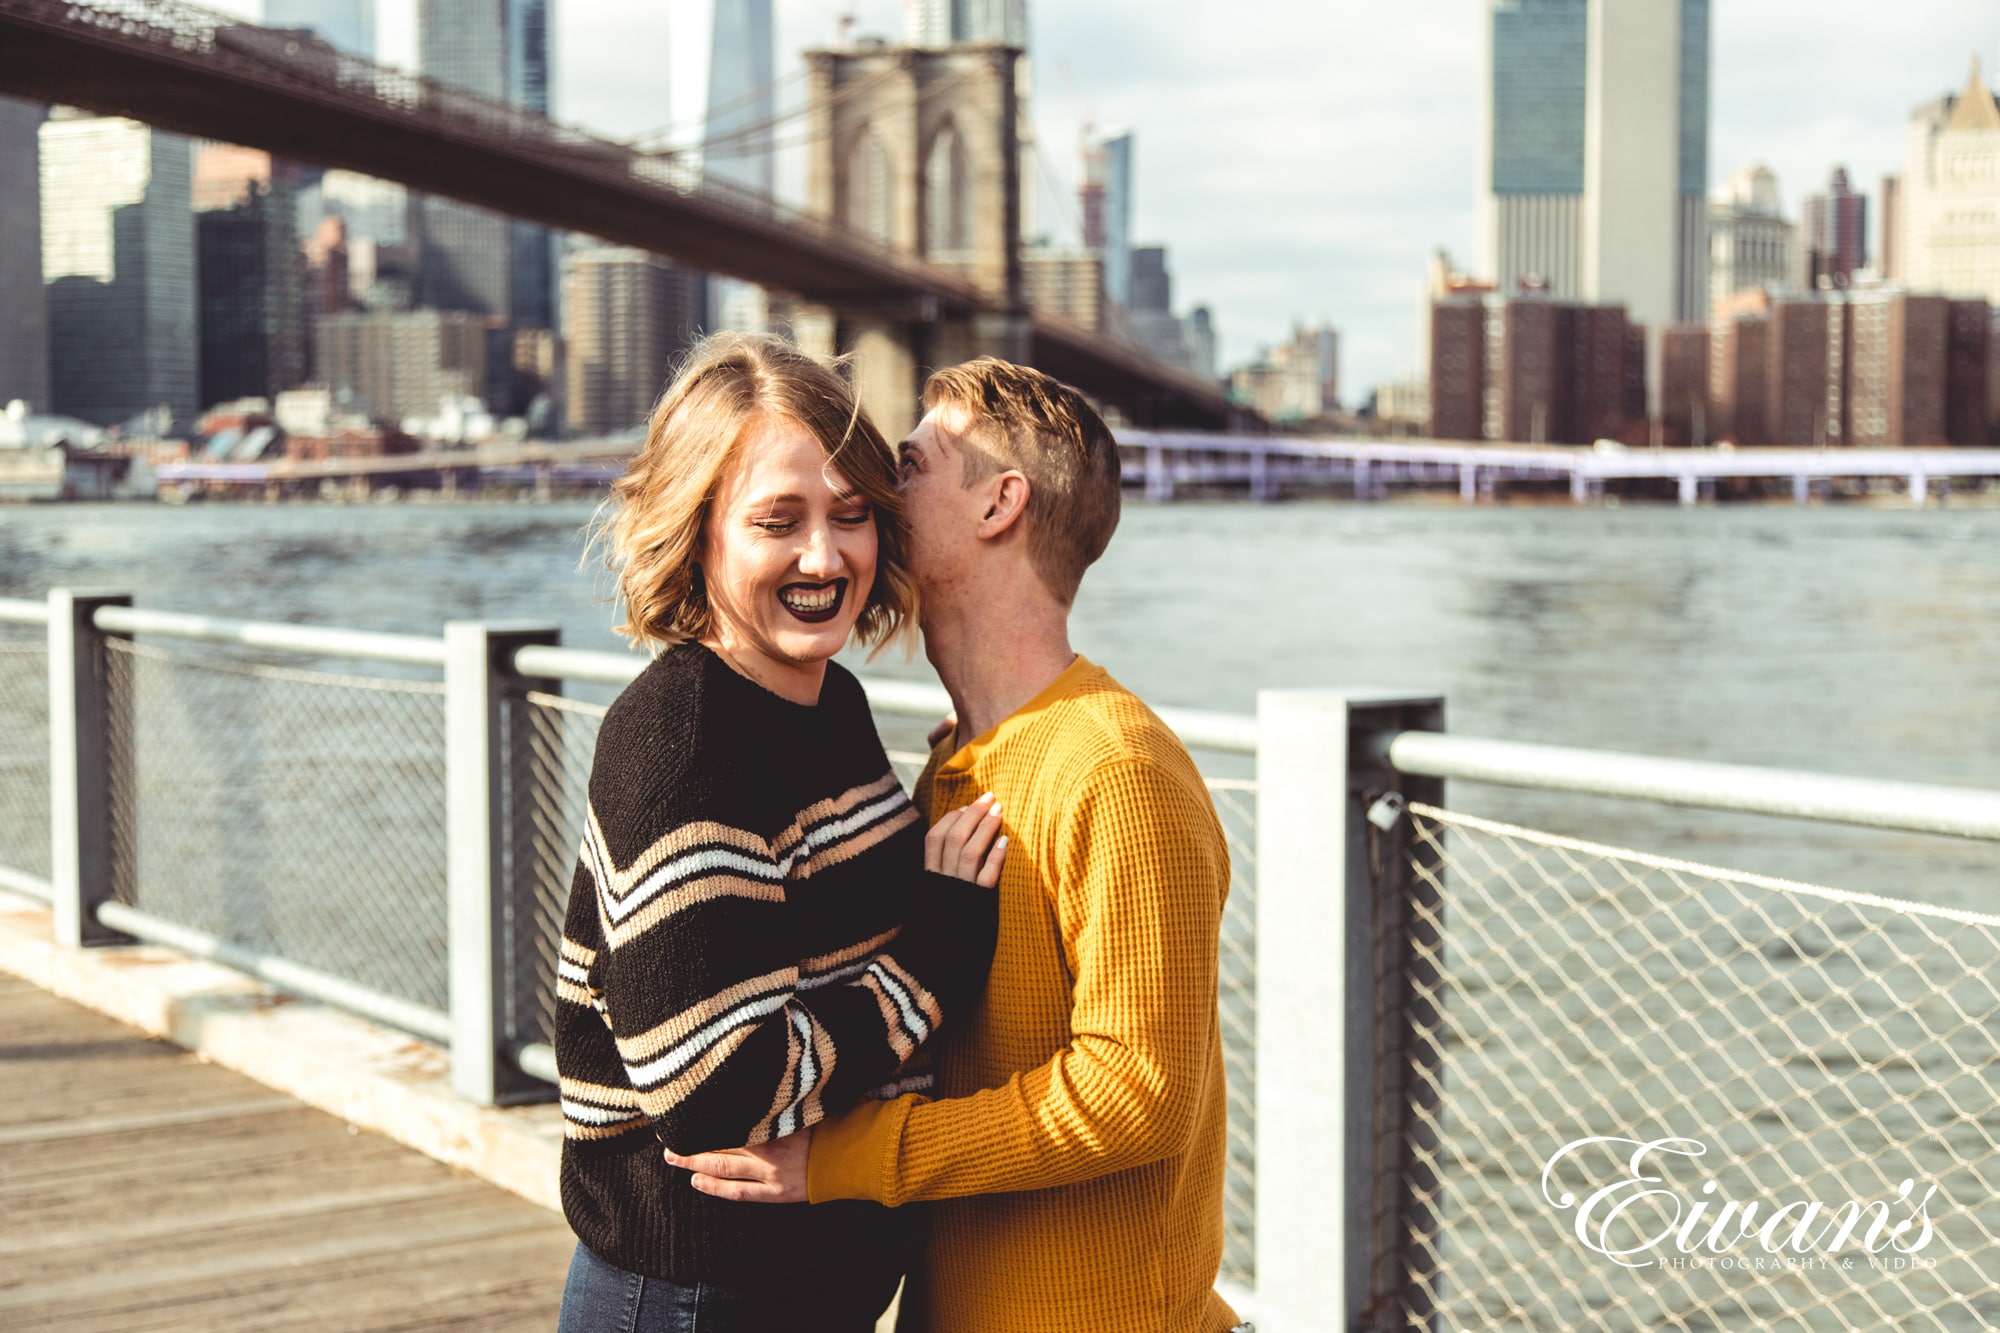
[
  {"x": 562, "y": 735},
  {"x": 299, "y": 813},
  {"x": 1817, "y": 1046},
  {"x": 24, "y": 751}
]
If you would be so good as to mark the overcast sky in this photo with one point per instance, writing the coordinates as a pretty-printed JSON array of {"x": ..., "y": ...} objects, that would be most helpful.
[{"x": 1302, "y": 158}]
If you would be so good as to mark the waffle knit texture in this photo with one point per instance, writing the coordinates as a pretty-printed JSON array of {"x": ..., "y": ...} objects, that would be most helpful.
[
  {"x": 751, "y": 940},
  {"x": 1076, "y": 1148}
]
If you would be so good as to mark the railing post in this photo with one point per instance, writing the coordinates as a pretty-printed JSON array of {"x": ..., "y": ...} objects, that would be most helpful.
[
  {"x": 482, "y": 745},
  {"x": 1341, "y": 985},
  {"x": 86, "y": 716}
]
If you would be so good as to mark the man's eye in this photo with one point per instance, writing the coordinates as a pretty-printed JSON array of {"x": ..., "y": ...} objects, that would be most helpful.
[
  {"x": 854, "y": 520},
  {"x": 775, "y": 524}
]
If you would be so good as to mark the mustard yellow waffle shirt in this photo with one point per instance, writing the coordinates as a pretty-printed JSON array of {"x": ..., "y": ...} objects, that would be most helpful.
[{"x": 1076, "y": 1158}]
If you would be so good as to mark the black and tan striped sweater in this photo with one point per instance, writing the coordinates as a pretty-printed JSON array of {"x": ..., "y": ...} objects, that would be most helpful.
[{"x": 751, "y": 941}]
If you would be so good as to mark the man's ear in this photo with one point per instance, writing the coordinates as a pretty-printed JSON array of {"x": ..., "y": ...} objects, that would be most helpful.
[{"x": 1006, "y": 502}]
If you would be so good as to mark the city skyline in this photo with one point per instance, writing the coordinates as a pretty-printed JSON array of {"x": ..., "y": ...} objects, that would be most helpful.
[{"x": 1804, "y": 88}]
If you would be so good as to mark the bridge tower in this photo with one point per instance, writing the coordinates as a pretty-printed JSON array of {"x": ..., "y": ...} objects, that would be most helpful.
[{"x": 917, "y": 149}]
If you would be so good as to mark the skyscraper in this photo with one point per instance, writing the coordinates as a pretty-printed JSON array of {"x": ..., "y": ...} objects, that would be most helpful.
[
  {"x": 742, "y": 65},
  {"x": 1594, "y": 152},
  {"x": 736, "y": 139},
  {"x": 1105, "y": 200},
  {"x": 1833, "y": 228},
  {"x": 1751, "y": 245},
  {"x": 1948, "y": 230},
  {"x": 251, "y": 275},
  {"x": 945, "y": 22},
  {"x": 347, "y": 24},
  {"x": 468, "y": 258},
  {"x": 118, "y": 257},
  {"x": 24, "y": 323},
  {"x": 626, "y": 316}
]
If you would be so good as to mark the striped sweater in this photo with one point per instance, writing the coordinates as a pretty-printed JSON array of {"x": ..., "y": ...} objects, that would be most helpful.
[{"x": 751, "y": 942}]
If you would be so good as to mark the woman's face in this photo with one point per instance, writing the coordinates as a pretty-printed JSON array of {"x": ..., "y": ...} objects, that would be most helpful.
[{"x": 788, "y": 554}]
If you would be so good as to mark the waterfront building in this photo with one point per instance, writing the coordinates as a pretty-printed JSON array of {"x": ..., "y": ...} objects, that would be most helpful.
[
  {"x": 1533, "y": 369},
  {"x": 1875, "y": 366},
  {"x": 627, "y": 318},
  {"x": 118, "y": 261},
  {"x": 1796, "y": 382},
  {"x": 1738, "y": 366},
  {"x": 1833, "y": 233},
  {"x": 1066, "y": 283},
  {"x": 1685, "y": 357},
  {"x": 1404, "y": 406},
  {"x": 24, "y": 321},
  {"x": 1286, "y": 383},
  {"x": 399, "y": 364},
  {"x": 470, "y": 259},
  {"x": 1948, "y": 232},
  {"x": 251, "y": 275},
  {"x": 1594, "y": 153},
  {"x": 1751, "y": 244},
  {"x": 1456, "y": 373},
  {"x": 347, "y": 24}
]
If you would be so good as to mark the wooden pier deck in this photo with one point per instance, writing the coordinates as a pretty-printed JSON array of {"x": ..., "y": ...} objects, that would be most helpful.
[{"x": 141, "y": 1189}]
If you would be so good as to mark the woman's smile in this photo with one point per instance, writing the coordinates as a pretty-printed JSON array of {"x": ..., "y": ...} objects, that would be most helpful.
[{"x": 814, "y": 603}]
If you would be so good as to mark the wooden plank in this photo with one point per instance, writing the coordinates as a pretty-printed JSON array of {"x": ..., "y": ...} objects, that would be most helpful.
[{"x": 140, "y": 1188}]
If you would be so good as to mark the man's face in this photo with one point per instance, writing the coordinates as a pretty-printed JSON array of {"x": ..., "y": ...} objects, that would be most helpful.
[{"x": 942, "y": 512}]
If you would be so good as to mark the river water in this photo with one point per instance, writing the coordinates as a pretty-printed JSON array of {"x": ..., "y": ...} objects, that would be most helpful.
[{"x": 1845, "y": 640}]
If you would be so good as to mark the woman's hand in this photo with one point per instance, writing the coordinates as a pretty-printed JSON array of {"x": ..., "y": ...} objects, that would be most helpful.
[{"x": 967, "y": 843}]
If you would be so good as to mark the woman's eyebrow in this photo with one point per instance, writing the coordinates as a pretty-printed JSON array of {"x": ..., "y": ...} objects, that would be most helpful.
[{"x": 794, "y": 498}]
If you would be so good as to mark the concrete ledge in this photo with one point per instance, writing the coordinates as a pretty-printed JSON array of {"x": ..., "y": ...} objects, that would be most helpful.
[{"x": 369, "y": 1075}]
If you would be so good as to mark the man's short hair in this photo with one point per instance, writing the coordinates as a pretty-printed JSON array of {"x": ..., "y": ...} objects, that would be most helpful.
[{"x": 1018, "y": 418}]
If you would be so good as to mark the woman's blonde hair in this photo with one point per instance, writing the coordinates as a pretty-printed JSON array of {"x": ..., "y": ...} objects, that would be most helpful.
[{"x": 651, "y": 528}]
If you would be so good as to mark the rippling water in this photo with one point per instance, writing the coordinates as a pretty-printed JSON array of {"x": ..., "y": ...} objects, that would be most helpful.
[{"x": 1847, "y": 640}]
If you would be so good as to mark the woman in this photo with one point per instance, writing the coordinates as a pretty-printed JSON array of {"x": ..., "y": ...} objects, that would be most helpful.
[{"x": 759, "y": 928}]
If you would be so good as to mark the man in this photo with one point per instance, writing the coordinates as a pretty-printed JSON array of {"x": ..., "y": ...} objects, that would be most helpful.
[{"x": 1075, "y": 1154}]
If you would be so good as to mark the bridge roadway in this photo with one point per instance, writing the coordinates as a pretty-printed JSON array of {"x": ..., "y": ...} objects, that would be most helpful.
[
  {"x": 189, "y": 69},
  {"x": 143, "y": 1189}
]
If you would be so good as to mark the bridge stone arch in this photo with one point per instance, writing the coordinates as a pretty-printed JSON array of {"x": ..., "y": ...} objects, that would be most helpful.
[
  {"x": 949, "y": 208},
  {"x": 942, "y": 126},
  {"x": 917, "y": 148}
]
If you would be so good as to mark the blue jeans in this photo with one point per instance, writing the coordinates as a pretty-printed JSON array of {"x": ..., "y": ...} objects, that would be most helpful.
[{"x": 600, "y": 1297}]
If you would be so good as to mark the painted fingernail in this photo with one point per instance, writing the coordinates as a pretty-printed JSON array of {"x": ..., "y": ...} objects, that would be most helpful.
[
  {"x": 985, "y": 796},
  {"x": 1000, "y": 841}
]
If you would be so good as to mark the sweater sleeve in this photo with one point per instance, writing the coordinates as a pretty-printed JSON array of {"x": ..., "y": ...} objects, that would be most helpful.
[
  {"x": 1141, "y": 873},
  {"x": 678, "y": 936}
]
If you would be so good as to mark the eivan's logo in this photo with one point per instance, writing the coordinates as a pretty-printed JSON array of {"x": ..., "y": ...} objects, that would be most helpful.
[{"x": 1615, "y": 1220}]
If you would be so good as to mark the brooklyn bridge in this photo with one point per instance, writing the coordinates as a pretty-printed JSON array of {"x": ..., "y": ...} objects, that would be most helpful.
[{"x": 894, "y": 299}]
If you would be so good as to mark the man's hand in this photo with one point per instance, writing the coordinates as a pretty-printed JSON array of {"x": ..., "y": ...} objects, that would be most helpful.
[
  {"x": 773, "y": 1172},
  {"x": 945, "y": 727}
]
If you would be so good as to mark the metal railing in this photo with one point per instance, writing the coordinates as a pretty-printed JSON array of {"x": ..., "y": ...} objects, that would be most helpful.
[
  {"x": 388, "y": 823},
  {"x": 1568, "y": 1072}
]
